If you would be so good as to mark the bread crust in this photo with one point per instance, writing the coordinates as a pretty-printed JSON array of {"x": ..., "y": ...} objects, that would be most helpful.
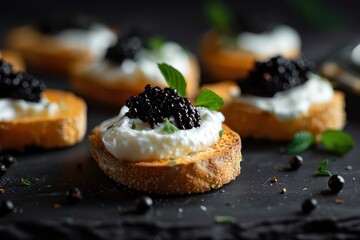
[
  {"x": 14, "y": 59},
  {"x": 199, "y": 172},
  {"x": 45, "y": 51},
  {"x": 116, "y": 92},
  {"x": 252, "y": 122},
  {"x": 65, "y": 128},
  {"x": 222, "y": 64}
]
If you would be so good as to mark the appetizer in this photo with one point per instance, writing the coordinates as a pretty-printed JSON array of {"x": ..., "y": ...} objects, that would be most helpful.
[
  {"x": 230, "y": 50},
  {"x": 129, "y": 65},
  {"x": 161, "y": 143},
  {"x": 279, "y": 98},
  {"x": 58, "y": 42},
  {"x": 32, "y": 115}
]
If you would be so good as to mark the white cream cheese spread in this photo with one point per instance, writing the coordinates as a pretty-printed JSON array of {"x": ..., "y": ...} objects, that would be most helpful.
[
  {"x": 294, "y": 102},
  {"x": 97, "y": 39},
  {"x": 144, "y": 65},
  {"x": 279, "y": 41},
  {"x": 146, "y": 144},
  {"x": 16, "y": 108}
]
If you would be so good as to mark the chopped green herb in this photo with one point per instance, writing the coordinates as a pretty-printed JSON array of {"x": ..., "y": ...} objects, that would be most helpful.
[
  {"x": 25, "y": 182},
  {"x": 301, "y": 142},
  {"x": 321, "y": 169},
  {"x": 169, "y": 127},
  {"x": 68, "y": 220},
  {"x": 224, "y": 219},
  {"x": 337, "y": 141},
  {"x": 155, "y": 43},
  {"x": 47, "y": 105},
  {"x": 173, "y": 78},
  {"x": 133, "y": 125},
  {"x": 221, "y": 132},
  {"x": 62, "y": 105},
  {"x": 172, "y": 161},
  {"x": 209, "y": 99}
]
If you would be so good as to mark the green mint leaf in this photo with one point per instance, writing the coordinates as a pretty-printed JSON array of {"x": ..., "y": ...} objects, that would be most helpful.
[
  {"x": 209, "y": 99},
  {"x": 224, "y": 219},
  {"x": 322, "y": 169},
  {"x": 173, "y": 78},
  {"x": 155, "y": 43},
  {"x": 301, "y": 142},
  {"x": 169, "y": 127},
  {"x": 219, "y": 15},
  {"x": 337, "y": 141},
  {"x": 25, "y": 182},
  {"x": 221, "y": 132},
  {"x": 133, "y": 125}
]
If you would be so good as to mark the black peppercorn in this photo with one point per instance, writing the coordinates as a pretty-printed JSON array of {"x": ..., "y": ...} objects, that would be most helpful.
[
  {"x": 296, "y": 162},
  {"x": 143, "y": 204},
  {"x": 2, "y": 169},
  {"x": 309, "y": 205},
  {"x": 73, "y": 195},
  {"x": 7, "y": 160},
  {"x": 6, "y": 207},
  {"x": 336, "y": 183}
]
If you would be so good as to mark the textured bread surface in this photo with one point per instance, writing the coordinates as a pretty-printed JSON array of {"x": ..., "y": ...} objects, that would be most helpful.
[
  {"x": 14, "y": 59},
  {"x": 196, "y": 173},
  {"x": 44, "y": 51},
  {"x": 250, "y": 121},
  {"x": 64, "y": 128},
  {"x": 229, "y": 64},
  {"x": 117, "y": 91}
]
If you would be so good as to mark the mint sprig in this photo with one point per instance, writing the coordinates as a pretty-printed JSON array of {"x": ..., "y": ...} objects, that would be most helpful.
[
  {"x": 209, "y": 99},
  {"x": 301, "y": 142},
  {"x": 173, "y": 78},
  {"x": 219, "y": 15},
  {"x": 169, "y": 127},
  {"x": 337, "y": 141},
  {"x": 322, "y": 169},
  {"x": 221, "y": 132},
  {"x": 155, "y": 43}
]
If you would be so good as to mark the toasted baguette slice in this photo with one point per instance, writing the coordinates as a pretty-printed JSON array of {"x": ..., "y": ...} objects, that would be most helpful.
[
  {"x": 199, "y": 172},
  {"x": 250, "y": 121},
  {"x": 229, "y": 64},
  {"x": 44, "y": 51},
  {"x": 14, "y": 59},
  {"x": 116, "y": 92},
  {"x": 65, "y": 128}
]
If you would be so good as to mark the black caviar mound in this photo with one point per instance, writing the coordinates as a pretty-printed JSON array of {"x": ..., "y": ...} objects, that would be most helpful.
[
  {"x": 19, "y": 85},
  {"x": 155, "y": 104},
  {"x": 59, "y": 22},
  {"x": 126, "y": 47},
  {"x": 276, "y": 75}
]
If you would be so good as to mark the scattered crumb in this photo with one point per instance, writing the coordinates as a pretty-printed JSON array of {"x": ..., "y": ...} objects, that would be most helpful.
[
  {"x": 316, "y": 193},
  {"x": 273, "y": 179},
  {"x": 339, "y": 201},
  {"x": 204, "y": 208},
  {"x": 305, "y": 189},
  {"x": 228, "y": 203},
  {"x": 2, "y": 191},
  {"x": 349, "y": 168},
  {"x": 57, "y": 205},
  {"x": 283, "y": 191},
  {"x": 222, "y": 190},
  {"x": 48, "y": 186}
]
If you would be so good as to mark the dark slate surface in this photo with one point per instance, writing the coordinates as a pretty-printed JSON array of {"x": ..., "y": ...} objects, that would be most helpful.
[{"x": 261, "y": 211}]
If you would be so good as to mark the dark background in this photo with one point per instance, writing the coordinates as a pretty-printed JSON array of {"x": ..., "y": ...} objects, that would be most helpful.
[
  {"x": 323, "y": 25},
  {"x": 260, "y": 209}
]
